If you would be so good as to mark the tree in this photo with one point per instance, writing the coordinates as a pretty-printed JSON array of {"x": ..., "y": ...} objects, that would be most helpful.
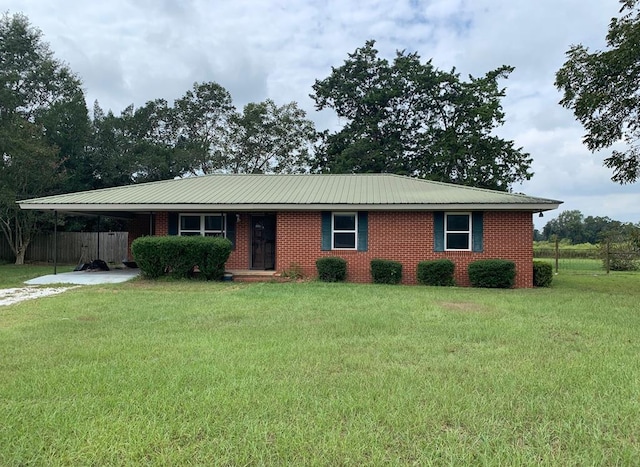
[
  {"x": 29, "y": 167},
  {"x": 201, "y": 123},
  {"x": 602, "y": 88},
  {"x": 568, "y": 225},
  {"x": 573, "y": 226},
  {"x": 33, "y": 87},
  {"x": 266, "y": 138},
  {"x": 137, "y": 146},
  {"x": 408, "y": 117}
]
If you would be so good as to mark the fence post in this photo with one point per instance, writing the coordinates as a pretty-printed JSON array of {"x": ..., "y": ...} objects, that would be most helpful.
[
  {"x": 607, "y": 263},
  {"x": 557, "y": 255}
]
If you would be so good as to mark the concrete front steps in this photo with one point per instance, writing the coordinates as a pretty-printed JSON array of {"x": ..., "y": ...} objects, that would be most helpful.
[{"x": 249, "y": 275}]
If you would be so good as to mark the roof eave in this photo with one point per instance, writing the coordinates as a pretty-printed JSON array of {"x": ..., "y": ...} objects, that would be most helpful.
[{"x": 114, "y": 208}]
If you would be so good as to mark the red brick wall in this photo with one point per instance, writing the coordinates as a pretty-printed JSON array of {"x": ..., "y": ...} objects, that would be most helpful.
[
  {"x": 406, "y": 237},
  {"x": 401, "y": 236}
]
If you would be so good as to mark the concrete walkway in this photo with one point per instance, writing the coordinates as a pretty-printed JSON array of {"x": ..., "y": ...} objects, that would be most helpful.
[{"x": 86, "y": 277}]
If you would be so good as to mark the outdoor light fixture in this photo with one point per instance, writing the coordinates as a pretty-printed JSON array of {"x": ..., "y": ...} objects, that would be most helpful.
[{"x": 540, "y": 215}]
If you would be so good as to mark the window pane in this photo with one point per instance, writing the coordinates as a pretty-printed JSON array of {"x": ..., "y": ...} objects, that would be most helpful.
[
  {"x": 344, "y": 222},
  {"x": 344, "y": 240},
  {"x": 213, "y": 234},
  {"x": 190, "y": 234},
  {"x": 458, "y": 222},
  {"x": 457, "y": 241},
  {"x": 189, "y": 222},
  {"x": 213, "y": 223}
]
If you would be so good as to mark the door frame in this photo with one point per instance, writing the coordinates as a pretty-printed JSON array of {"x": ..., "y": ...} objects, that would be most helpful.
[{"x": 267, "y": 243}]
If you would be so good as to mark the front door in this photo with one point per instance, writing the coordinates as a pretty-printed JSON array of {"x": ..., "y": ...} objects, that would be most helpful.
[{"x": 263, "y": 241}]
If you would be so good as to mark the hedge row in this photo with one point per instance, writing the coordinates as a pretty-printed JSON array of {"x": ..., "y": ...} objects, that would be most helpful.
[
  {"x": 179, "y": 256},
  {"x": 489, "y": 273}
]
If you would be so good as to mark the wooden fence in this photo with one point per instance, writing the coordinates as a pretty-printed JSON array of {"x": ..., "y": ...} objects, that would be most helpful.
[{"x": 73, "y": 247}]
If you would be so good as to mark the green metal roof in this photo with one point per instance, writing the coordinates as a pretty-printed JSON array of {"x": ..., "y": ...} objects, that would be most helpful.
[{"x": 289, "y": 192}]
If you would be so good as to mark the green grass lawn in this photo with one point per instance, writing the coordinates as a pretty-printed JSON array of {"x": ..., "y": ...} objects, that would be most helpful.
[
  {"x": 12, "y": 275},
  {"x": 326, "y": 374}
]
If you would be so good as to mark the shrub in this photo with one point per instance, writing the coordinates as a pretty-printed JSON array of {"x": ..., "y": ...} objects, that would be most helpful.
[
  {"x": 384, "y": 271},
  {"x": 492, "y": 273},
  {"x": 331, "y": 269},
  {"x": 213, "y": 253},
  {"x": 146, "y": 254},
  {"x": 542, "y": 274},
  {"x": 180, "y": 255},
  {"x": 436, "y": 272}
]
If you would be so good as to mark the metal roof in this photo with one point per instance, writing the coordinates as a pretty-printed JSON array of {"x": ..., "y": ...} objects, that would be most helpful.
[{"x": 289, "y": 192}]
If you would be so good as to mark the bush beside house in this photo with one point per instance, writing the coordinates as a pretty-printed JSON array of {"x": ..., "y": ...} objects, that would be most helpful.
[
  {"x": 436, "y": 272},
  {"x": 542, "y": 274},
  {"x": 384, "y": 271},
  {"x": 179, "y": 256},
  {"x": 332, "y": 269},
  {"x": 492, "y": 273}
]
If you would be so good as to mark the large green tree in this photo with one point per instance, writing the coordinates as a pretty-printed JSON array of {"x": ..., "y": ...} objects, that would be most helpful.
[
  {"x": 200, "y": 121},
  {"x": 40, "y": 99},
  {"x": 201, "y": 133},
  {"x": 267, "y": 138},
  {"x": 408, "y": 117},
  {"x": 602, "y": 88}
]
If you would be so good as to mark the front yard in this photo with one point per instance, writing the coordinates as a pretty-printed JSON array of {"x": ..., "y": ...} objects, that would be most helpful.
[{"x": 313, "y": 373}]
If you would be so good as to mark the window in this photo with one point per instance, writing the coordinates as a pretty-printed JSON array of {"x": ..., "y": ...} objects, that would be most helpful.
[
  {"x": 457, "y": 231},
  {"x": 344, "y": 231},
  {"x": 207, "y": 225}
]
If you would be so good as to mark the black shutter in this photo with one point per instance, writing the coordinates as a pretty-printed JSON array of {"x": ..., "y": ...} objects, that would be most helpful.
[
  {"x": 477, "y": 231},
  {"x": 438, "y": 231},
  {"x": 173, "y": 223},
  {"x": 363, "y": 230},
  {"x": 326, "y": 231},
  {"x": 231, "y": 229}
]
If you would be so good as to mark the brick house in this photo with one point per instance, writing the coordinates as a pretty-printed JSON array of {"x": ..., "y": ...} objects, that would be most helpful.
[{"x": 283, "y": 222}]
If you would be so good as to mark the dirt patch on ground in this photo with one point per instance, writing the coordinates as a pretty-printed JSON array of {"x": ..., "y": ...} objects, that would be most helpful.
[
  {"x": 463, "y": 306},
  {"x": 20, "y": 294}
]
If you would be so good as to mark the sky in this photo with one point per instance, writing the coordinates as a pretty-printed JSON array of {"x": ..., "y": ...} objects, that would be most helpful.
[{"x": 132, "y": 51}]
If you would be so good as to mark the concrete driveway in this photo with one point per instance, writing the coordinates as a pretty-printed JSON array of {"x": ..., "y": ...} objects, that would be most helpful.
[{"x": 113, "y": 276}]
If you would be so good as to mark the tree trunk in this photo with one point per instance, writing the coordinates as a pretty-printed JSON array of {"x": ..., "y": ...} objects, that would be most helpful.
[
  {"x": 21, "y": 251},
  {"x": 20, "y": 256}
]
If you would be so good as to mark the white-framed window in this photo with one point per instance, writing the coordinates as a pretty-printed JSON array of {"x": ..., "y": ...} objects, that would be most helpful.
[
  {"x": 344, "y": 231},
  {"x": 457, "y": 231},
  {"x": 206, "y": 224}
]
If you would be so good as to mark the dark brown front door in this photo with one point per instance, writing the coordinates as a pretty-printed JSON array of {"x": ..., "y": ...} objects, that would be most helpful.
[{"x": 263, "y": 241}]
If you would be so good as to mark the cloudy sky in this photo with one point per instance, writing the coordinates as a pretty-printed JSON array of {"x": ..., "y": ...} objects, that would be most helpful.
[{"x": 129, "y": 52}]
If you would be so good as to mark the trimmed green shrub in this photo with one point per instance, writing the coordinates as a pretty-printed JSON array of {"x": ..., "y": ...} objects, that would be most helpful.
[
  {"x": 384, "y": 271},
  {"x": 492, "y": 273},
  {"x": 331, "y": 269},
  {"x": 542, "y": 274},
  {"x": 146, "y": 254},
  {"x": 179, "y": 256},
  {"x": 213, "y": 255},
  {"x": 436, "y": 272}
]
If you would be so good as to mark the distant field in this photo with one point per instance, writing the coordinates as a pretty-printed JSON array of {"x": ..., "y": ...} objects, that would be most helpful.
[{"x": 175, "y": 373}]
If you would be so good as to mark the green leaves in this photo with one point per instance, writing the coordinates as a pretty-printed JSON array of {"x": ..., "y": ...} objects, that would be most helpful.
[
  {"x": 201, "y": 133},
  {"x": 602, "y": 89},
  {"x": 410, "y": 118},
  {"x": 41, "y": 112}
]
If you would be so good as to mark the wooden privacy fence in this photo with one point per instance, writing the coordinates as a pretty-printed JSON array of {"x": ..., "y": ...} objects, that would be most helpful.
[{"x": 74, "y": 247}]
